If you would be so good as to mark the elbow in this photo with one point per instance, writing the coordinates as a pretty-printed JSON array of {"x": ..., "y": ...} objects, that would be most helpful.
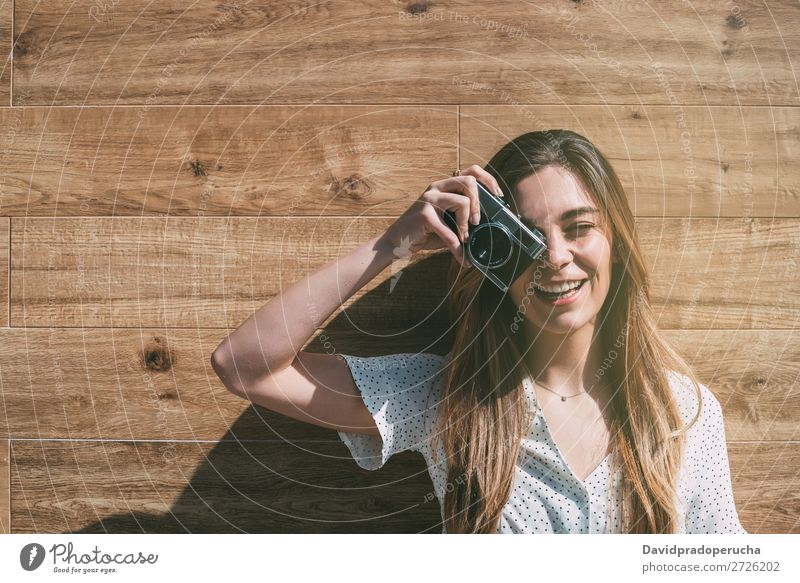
[
  {"x": 223, "y": 364},
  {"x": 217, "y": 362},
  {"x": 219, "y": 357}
]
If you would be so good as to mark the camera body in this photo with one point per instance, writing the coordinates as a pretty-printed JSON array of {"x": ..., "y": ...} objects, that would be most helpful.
[{"x": 499, "y": 245}]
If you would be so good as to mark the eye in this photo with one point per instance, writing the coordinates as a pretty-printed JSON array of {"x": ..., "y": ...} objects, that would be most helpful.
[{"x": 580, "y": 227}]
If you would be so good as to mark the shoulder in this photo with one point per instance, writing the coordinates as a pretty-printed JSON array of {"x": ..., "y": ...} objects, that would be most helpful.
[
  {"x": 706, "y": 437},
  {"x": 686, "y": 392},
  {"x": 408, "y": 367},
  {"x": 407, "y": 378}
]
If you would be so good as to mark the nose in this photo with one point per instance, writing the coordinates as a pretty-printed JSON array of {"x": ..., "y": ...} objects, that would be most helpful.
[{"x": 558, "y": 252}]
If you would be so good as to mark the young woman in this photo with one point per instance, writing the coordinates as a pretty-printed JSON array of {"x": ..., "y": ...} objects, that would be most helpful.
[{"x": 560, "y": 408}]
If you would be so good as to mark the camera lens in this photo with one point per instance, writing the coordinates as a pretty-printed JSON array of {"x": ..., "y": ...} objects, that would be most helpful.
[{"x": 490, "y": 245}]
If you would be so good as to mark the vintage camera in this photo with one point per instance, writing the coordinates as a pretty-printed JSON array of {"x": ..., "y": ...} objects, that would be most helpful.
[{"x": 499, "y": 245}]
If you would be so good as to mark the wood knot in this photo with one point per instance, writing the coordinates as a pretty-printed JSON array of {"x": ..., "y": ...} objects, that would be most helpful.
[
  {"x": 197, "y": 168},
  {"x": 727, "y": 49},
  {"x": 79, "y": 400},
  {"x": 735, "y": 21},
  {"x": 353, "y": 186},
  {"x": 22, "y": 45},
  {"x": 417, "y": 8},
  {"x": 761, "y": 381},
  {"x": 636, "y": 115},
  {"x": 157, "y": 356},
  {"x": 166, "y": 395},
  {"x": 725, "y": 166}
]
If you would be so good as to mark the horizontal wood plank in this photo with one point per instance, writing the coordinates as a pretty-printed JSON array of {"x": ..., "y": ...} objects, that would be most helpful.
[
  {"x": 149, "y": 384},
  {"x": 333, "y": 160},
  {"x": 678, "y": 161},
  {"x": 151, "y": 487},
  {"x": 403, "y": 52},
  {"x": 201, "y": 161},
  {"x": 214, "y": 272},
  {"x": 264, "y": 487},
  {"x": 155, "y": 384}
]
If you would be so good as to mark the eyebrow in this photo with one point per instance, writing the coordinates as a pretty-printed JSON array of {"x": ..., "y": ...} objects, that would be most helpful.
[{"x": 570, "y": 214}]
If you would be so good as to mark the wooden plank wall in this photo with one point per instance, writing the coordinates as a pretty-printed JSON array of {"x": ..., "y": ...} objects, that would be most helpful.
[{"x": 168, "y": 168}]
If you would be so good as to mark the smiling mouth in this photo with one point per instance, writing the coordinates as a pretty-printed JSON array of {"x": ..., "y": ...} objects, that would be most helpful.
[{"x": 559, "y": 295}]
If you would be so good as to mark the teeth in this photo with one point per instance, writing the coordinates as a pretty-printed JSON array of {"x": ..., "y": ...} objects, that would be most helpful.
[{"x": 560, "y": 288}]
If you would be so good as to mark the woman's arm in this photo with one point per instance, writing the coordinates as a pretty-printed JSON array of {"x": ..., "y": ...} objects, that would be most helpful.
[
  {"x": 262, "y": 361},
  {"x": 269, "y": 340}
]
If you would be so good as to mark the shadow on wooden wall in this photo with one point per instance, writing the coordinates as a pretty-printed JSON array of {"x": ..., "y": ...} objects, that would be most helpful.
[{"x": 269, "y": 473}]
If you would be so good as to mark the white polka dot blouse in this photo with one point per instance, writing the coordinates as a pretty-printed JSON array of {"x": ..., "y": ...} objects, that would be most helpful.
[{"x": 401, "y": 392}]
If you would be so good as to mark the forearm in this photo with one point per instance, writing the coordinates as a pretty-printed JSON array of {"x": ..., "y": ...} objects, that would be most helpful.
[{"x": 269, "y": 339}]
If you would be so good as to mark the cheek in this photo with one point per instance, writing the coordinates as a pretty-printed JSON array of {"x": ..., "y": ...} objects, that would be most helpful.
[
  {"x": 596, "y": 256},
  {"x": 596, "y": 253}
]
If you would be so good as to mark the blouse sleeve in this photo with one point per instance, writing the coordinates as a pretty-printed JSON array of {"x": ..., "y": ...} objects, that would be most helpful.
[
  {"x": 710, "y": 507},
  {"x": 401, "y": 392}
]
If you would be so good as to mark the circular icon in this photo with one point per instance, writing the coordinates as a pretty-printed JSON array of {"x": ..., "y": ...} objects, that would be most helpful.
[{"x": 31, "y": 556}]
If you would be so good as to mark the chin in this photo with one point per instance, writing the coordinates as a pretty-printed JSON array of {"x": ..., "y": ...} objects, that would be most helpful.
[{"x": 563, "y": 323}]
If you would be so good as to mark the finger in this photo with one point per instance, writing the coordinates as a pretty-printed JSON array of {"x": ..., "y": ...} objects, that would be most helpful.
[
  {"x": 479, "y": 173},
  {"x": 451, "y": 201},
  {"x": 485, "y": 178},
  {"x": 438, "y": 226},
  {"x": 467, "y": 186}
]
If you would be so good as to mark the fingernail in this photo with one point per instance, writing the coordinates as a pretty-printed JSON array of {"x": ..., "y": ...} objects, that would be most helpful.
[{"x": 476, "y": 218}]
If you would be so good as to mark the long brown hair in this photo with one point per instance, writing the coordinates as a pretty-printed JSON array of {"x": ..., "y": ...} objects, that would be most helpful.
[{"x": 484, "y": 407}]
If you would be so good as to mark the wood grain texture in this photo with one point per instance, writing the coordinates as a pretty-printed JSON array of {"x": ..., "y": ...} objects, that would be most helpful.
[
  {"x": 201, "y": 161},
  {"x": 183, "y": 272},
  {"x": 753, "y": 374},
  {"x": 6, "y": 21},
  {"x": 404, "y": 52},
  {"x": 155, "y": 384},
  {"x": 330, "y": 160},
  {"x": 672, "y": 160},
  {"x": 126, "y": 487},
  {"x": 765, "y": 477},
  {"x": 149, "y": 384},
  {"x": 5, "y": 487},
  {"x": 267, "y": 487},
  {"x": 5, "y": 251},
  {"x": 726, "y": 273},
  {"x": 214, "y": 272}
]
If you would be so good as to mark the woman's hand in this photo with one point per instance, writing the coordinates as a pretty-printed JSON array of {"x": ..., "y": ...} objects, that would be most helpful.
[{"x": 422, "y": 227}]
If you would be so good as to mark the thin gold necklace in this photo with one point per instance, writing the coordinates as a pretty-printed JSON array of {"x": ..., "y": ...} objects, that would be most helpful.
[{"x": 563, "y": 398}]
